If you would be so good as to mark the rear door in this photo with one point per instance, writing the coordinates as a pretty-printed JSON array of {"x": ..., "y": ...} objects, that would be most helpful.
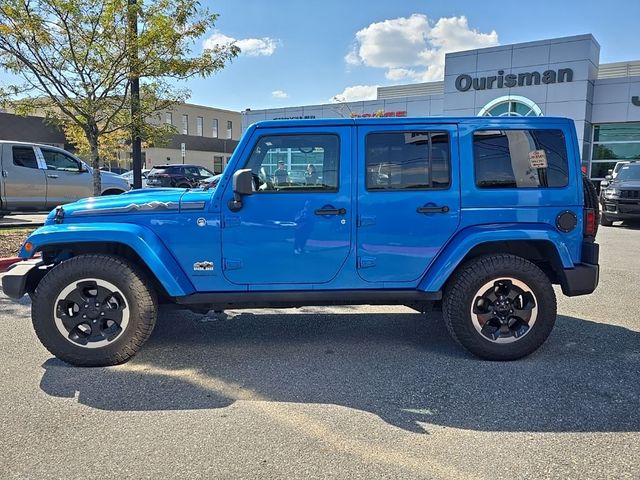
[
  {"x": 408, "y": 199},
  {"x": 25, "y": 186},
  {"x": 67, "y": 181}
]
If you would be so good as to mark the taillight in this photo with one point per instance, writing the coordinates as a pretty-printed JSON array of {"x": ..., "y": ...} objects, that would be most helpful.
[{"x": 589, "y": 222}]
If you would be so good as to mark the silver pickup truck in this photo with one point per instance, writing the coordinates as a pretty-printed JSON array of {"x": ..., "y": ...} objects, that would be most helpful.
[{"x": 40, "y": 177}]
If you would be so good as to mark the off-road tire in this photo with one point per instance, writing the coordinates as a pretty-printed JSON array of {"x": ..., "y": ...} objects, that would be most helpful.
[
  {"x": 139, "y": 296},
  {"x": 460, "y": 294},
  {"x": 604, "y": 221}
]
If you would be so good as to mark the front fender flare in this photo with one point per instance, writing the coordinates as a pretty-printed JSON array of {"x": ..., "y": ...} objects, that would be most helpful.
[
  {"x": 142, "y": 240},
  {"x": 461, "y": 244}
]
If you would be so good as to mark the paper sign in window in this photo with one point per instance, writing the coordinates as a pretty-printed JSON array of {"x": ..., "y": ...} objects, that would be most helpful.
[{"x": 538, "y": 159}]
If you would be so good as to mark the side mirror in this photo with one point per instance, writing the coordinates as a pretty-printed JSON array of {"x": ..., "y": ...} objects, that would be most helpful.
[
  {"x": 609, "y": 177},
  {"x": 242, "y": 185}
]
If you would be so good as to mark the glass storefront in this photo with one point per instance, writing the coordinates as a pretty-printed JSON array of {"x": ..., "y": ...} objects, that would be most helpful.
[{"x": 612, "y": 143}]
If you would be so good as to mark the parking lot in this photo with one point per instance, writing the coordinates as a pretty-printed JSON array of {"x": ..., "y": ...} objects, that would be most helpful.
[{"x": 361, "y": 392}]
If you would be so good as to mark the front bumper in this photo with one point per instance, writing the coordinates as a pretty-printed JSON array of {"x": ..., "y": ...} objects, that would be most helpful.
[
  {"x": 620, "y": 209},
  {"x": 583, "y": 278},
  {"x": 18, "y": 279}
]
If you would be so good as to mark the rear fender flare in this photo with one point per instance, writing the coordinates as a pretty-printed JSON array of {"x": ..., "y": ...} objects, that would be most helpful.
[{"x": 461, "y": 244}]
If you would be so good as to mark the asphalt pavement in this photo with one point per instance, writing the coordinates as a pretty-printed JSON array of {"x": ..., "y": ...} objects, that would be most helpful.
[{"x": 349, "y": 392}]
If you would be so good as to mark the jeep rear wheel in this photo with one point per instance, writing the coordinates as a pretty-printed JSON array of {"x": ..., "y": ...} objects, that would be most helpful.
[
  {"x": 94, "y": 310},
  {"x": 499, "y": 307}
]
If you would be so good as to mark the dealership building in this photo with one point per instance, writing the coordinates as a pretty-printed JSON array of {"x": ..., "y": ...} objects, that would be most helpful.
[{"x": 556, "y": 77}]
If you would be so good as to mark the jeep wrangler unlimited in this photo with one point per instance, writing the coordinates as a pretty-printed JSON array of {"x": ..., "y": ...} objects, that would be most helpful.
[{"x": 479, "y": 216}]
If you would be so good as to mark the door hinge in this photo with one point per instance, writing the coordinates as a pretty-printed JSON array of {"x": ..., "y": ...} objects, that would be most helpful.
[
  {"x": 232, "y": 264},
  {"x": 231, "y": 221},
  {"x": 366, "y": 262},
  {"x": 365, "y": 220}
]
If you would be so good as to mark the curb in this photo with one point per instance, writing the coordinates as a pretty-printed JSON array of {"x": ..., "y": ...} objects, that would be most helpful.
[{"x": 5, "y": 263}]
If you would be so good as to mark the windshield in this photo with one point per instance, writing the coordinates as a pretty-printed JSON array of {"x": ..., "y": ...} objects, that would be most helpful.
[{"x": 629, "y": 173}]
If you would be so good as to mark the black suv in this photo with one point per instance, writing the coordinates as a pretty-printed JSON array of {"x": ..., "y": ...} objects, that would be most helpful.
[
  {"x": 181, "y": 176},
  {"x": 621, "y": 199}
]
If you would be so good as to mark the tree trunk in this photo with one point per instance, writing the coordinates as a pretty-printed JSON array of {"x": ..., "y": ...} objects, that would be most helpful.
[{"x": 92, "y": 138}]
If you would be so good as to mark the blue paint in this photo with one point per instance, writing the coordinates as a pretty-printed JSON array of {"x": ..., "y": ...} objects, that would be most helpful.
[{"x": 277, "y": 242}]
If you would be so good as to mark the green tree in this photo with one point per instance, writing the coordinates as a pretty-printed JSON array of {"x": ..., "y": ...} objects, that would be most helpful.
[{"x": 75, "y": 57}]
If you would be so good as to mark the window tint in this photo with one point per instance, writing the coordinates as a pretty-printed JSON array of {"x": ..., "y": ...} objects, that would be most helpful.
[
  {"x": 296, "y": 162},
  {"x": 520, "y": 159},
  {"x": 60, "y": 161},
  {"x": 24, "y": 157},
  {"x": 407, "y": 160}
]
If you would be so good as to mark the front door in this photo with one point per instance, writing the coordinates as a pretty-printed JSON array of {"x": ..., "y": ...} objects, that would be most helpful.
[
  {"x": 295, "y": 228},
  {"x": 408, "y": 199},
  {"x": 24, "y": 181},
  {"x": 67, "y": 181}
]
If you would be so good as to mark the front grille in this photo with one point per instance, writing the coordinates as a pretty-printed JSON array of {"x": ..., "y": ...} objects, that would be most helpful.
[{"x": 629, "y": 193}]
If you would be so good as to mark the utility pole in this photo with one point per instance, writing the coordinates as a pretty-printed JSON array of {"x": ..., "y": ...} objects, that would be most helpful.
[{"x": 136, "y": 143}]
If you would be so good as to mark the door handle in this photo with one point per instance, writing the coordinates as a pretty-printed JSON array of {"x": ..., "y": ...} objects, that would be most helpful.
[
  {"x": 443, "y": 209},
  {"x": 330, "y": 211},
  {"x": 51, "y": 175}
]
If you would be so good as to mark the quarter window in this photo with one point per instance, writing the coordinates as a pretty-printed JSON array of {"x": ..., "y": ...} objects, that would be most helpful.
[
  {"x": 520, "y": 158},
  {"x": 407, "y": 160},
  {"x": 24, "y": 157},
  {"x": 286, "y": 163}
]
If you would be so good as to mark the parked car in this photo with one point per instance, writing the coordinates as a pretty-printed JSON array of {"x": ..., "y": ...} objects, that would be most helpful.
[
  {"x": 115, "y": 170},
  {"x": 210, "y": 182},
  {"x": 613, "y": 173},
  {"x": 39, "y": 177},
  {"x": 128, "y": 176},
  {"x": 182, "y": 176},
  {"x": 620, "y": 200},
  {"x": 479, "y": 216}
]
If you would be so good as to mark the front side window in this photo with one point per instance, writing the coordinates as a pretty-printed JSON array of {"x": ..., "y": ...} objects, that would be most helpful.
[
  {"x": 24, "y": 157},
  {"x": 60, "y": 161},
  {"x": 296, "y": 162},
  {"x": 520, "y": 158},
  {"x": 407, "y": 160}
]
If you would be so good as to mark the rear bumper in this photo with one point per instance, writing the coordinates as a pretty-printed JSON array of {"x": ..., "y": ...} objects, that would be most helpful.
[{"x": 583, "y": 278}]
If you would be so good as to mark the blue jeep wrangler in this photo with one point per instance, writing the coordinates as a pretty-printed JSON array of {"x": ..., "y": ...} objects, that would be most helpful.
[{"x": 476, "y": 216}]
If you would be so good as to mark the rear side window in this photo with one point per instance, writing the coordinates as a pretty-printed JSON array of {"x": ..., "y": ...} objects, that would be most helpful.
[
  {"x": 520, "y": 158},
  {"x": 24, "y": 157},
  {"x": 407, "y": 160}
]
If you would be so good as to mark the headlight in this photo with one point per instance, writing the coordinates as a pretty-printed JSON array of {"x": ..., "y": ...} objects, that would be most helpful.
[{"x": 611, "y": 193}]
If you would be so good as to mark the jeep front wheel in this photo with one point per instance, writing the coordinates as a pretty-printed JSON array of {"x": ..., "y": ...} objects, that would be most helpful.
[
  {"x": 94, "y": 310},
  {"x": 500, "y": 307}
]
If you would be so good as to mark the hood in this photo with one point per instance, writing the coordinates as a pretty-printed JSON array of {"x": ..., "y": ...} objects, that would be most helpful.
[{"x": 133, "y": 202}]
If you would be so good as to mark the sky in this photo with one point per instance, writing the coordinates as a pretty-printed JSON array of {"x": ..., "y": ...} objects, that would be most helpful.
[
  {"x": 310, "y": 51},
  {"x": 300, "y": 52}
]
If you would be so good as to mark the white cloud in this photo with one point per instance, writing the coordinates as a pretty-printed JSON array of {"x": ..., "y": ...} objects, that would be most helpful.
[
  {"x": 279, "y": 94},
  {"x": 253, "y": 47},
  {"x": 414, "y": 48},
  {"x": 357, "y": 93}
]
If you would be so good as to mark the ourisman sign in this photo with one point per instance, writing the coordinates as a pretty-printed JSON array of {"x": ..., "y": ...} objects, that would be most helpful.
[{"x": 465, "y": 82}]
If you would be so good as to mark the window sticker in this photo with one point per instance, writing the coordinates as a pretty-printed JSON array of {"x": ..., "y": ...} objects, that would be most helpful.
[{"x": 538, "y": 159}]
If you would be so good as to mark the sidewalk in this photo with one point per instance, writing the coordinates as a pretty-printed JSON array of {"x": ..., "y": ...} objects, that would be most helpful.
[{"x": 23, "y": 220}]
